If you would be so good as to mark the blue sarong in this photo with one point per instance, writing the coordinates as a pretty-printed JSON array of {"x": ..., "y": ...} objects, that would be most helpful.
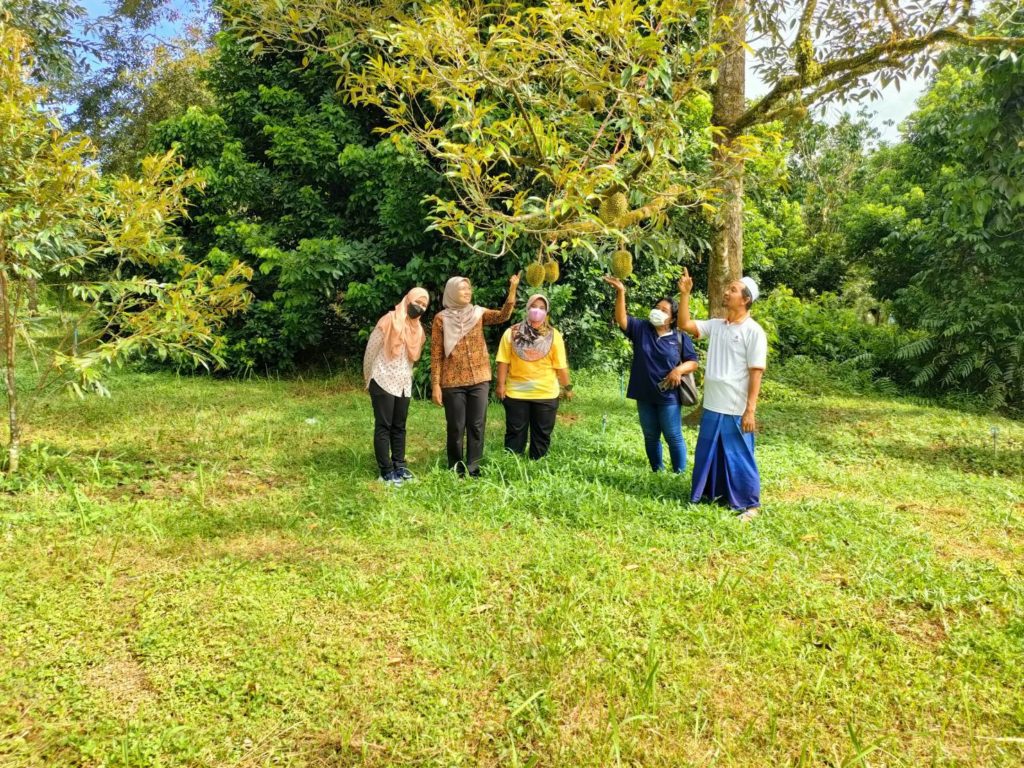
[{"x": 724, "y": 469}]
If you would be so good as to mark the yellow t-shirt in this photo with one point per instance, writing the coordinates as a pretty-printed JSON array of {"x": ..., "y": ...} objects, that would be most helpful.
[{"x": 536, "y": 380}]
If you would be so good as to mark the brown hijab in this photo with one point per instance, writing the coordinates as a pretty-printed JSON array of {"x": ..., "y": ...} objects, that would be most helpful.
[{"x": 531, "y": 343}]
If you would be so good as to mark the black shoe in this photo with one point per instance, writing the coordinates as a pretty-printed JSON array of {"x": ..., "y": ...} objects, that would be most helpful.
[
  {"x": 401, "y": 472},
  {"x": 390, "y": 477}
]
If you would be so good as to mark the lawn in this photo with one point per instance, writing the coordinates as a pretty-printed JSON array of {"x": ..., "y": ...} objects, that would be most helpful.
[{"x": 205, "y": 573}]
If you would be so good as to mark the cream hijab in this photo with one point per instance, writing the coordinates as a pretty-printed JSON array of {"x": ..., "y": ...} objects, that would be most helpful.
[{"x": 458, "y": 317}]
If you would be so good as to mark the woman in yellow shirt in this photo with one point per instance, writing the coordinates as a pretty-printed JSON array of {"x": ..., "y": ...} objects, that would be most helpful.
[{"x": 533, "y": 374}]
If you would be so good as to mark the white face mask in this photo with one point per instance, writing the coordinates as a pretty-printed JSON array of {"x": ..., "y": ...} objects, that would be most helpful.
[{"x": 657, "y": 318}]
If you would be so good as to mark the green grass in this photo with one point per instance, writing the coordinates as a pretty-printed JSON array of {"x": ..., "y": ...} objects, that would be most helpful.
[{"x": 193, "y": 575}]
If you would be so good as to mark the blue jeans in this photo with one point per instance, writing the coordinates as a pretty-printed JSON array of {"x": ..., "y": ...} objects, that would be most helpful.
[{"x": 657, "y": 420}]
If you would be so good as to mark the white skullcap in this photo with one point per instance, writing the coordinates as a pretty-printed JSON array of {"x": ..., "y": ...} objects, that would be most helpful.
[{"x": 751, "y": 286}]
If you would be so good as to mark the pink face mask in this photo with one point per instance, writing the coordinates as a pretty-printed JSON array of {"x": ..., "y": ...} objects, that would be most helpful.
[{"x": 537, "y": 314}]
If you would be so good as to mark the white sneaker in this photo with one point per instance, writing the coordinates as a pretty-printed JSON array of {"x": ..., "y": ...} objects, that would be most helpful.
[{"x": 748, "y": 514}]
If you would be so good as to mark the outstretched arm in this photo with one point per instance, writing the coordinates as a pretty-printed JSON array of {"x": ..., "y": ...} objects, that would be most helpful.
[
  {"x": 621, "y": 318},
  {"x": 498, "y": 316},
  {"x": 684, "y": 322}
]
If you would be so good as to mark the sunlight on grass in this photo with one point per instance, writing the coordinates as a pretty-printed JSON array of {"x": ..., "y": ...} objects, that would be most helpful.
[{"x": 206, "y": 573}]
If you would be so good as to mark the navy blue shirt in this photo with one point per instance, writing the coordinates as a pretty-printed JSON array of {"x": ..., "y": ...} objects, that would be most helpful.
[{"x": 653, "y": 358}]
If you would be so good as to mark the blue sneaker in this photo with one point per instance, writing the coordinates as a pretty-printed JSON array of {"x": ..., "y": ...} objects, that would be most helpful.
[
  {"x": 390, "y": 478},
  {"x": 402, "y": 473}
]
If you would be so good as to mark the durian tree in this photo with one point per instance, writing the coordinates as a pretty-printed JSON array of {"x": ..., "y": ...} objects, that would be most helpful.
[
  {"x": 561, "y": 125},
  {"x": 539, "y": 111}
]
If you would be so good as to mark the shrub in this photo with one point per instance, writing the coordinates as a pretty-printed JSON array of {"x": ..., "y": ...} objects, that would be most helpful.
[{"x": 824, "y": 329}]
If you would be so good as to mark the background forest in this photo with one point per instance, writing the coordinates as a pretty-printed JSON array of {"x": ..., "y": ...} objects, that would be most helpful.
[{"x": 902, "y": 261}]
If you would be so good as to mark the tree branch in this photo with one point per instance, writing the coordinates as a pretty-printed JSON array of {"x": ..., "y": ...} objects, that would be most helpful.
[
  {"x": 890, "y": 14},
  {"x": 892, "y": 51},
  {"x": 805, "y": 19}
]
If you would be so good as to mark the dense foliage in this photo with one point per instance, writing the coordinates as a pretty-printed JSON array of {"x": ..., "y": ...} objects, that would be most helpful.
[
  {"x": 942, "y": 226},
  {"x": 334, "y": 220}
]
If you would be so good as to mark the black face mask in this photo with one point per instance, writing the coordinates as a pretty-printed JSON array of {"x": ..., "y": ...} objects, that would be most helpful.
[{"x": 415, "y": 310}]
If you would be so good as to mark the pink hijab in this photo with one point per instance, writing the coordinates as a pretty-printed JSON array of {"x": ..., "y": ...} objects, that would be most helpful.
[{"x": 401, "y": 332}]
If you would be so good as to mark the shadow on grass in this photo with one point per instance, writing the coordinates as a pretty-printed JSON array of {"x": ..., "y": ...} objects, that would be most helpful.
[{"x": 960, "y": 457}]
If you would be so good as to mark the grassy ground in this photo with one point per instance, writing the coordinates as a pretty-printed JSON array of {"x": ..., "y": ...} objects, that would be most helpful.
[{"x": 202, "y": 573}]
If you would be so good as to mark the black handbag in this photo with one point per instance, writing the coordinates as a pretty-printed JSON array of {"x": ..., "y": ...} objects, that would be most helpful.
[{"x": 688, "y": 384}]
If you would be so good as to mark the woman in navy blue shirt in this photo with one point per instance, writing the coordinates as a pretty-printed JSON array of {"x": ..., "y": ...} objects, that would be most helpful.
[{"x": 661, "y": 357}]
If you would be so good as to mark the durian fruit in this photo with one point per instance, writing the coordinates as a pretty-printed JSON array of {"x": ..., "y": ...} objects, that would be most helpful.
[
  {"x": 535, "y": 274},
  {"x": 591, "y": 101},
  {"x": 622, "y": 264},
  {"x": 613, "y": 207},
  {"x": 551, "y": 271}
]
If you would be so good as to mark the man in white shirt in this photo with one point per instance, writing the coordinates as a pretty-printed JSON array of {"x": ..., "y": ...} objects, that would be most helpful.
[{"x": 724, "y": 469}]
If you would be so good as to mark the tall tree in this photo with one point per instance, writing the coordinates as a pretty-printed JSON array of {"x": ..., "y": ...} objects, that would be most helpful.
[
  {"x": 561, "y": 125},
  {"x": 143, "y": 64},
  {"x": 940, "y": 228}
]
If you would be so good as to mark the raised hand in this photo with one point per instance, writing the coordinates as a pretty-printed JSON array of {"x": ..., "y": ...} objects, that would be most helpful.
[
  {"x": 685, "y": 283},
  {"x": 513, "y": 282},
  {"x": 614, "y": 282}
]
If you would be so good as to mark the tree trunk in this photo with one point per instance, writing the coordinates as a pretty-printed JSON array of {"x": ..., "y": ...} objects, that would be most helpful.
[
  {"x": 14, "y": 446},
  {"x": 33, "y": 296},
  {"x": 728, "y": 104}
]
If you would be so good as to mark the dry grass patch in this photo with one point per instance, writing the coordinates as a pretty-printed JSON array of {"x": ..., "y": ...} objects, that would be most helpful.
[
  {"x": 121, "y": 681},
  {"x": 957, "y": 534}
]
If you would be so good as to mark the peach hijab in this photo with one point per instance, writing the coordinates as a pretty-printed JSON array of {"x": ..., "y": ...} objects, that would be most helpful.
[{"x": 401, "y": 332}]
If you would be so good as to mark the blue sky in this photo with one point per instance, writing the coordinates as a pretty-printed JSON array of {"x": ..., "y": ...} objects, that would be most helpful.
[{"x": 96, "y": 8}]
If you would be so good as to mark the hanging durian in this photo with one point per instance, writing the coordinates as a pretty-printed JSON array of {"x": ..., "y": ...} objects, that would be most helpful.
[
  {"x": 535, "y": 274},
  {"x": 613, "y": 207},
  {"x": 622, "y": 263},
  {"x": 551, "y": 271}
]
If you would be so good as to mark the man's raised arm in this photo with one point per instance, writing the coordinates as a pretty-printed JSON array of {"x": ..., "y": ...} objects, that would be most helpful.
[{"x": 683, "y": 320}]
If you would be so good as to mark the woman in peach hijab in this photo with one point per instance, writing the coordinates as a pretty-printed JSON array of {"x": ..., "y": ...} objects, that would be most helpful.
[{"x": 394, "y": 347}]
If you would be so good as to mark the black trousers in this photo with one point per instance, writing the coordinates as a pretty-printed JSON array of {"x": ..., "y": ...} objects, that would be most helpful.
[
  {"x": 535, "y": 416},
  {"x": 389, "y": 416},
  {"x": 465, "y": 410}
]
